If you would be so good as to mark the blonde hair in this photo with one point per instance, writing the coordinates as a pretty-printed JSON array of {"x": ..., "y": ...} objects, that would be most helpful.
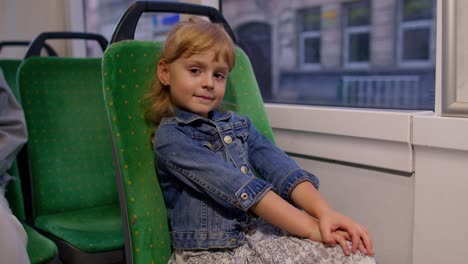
[{"x": 187, "y": 38}]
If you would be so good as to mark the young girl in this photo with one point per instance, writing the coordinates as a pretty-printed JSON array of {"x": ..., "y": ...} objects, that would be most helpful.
[{"x": 219, "y": 211}]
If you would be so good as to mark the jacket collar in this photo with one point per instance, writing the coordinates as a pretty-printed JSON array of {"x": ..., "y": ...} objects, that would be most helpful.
[{"x": 185, "y": 117}]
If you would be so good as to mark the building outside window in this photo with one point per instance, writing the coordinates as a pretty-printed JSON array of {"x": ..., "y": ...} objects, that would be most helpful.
[
  {"x": 309, "y": 25},
  {"x": 415, "y": 32},
  {"x": 357, "y": 34}
]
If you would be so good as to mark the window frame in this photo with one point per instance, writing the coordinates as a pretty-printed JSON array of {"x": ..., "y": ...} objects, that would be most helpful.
[{"x": 449, "y": 86}]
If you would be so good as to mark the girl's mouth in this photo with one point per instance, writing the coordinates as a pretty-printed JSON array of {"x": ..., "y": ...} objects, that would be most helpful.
[{"x": 204, "y": 97}]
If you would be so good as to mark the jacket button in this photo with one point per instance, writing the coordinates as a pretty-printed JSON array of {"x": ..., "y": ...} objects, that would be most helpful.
[
  {"x": 244, "y": 196},
  {"x": 227, "y": 139},
  {"x": 233, "y": 240},
  {"x": 244, "y": 169}
]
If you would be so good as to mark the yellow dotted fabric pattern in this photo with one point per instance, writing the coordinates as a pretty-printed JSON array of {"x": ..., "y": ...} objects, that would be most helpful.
[
  {"x": 128, "y": 72},
  {"x": 69, "y": 144},
  {"x": 243, "y": 95},
  {"x": 40, "y": 249}
]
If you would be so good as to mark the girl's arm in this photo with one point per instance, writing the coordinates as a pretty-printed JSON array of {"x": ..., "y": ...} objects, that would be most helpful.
[
  {"x": 305, "y": 196},
  {"x": 282, "y": 214}
]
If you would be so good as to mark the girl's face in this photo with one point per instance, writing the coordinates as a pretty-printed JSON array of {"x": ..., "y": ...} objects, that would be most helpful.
[{"x": 197, "y": 83}]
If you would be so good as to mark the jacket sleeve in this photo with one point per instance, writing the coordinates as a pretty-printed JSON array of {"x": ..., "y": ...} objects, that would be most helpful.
[
  {"x": 178, "y": 155},
  {"x": 13, "y": 132},
  {"x": 275, "y": 165}
]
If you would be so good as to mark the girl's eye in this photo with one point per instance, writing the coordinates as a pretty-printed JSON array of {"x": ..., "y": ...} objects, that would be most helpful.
[
  {"x": 220, "y": 76},
  {"x": 194, "y": 70}
]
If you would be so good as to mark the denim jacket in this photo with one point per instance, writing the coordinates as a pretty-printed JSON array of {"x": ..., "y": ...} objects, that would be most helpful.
[{"x": 207, "y": 170}]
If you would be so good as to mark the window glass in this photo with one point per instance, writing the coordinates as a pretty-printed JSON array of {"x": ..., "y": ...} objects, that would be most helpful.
[
  {"x": 357, "y": 32},
  {"x": 309, "y": 25},
  {"x": 417, "y": 10},
  {"x": 359, "y": 47},
  {"x": 361, "y": 53},
  {"x": 312, "y": 50},
  {"x": 310, "y": 19},
  {"x": 366, "y": 53},
  {"x": 416, "y": 44},
  {"x": 416, "y": 28},
  {"x": 358, "y": 13}
]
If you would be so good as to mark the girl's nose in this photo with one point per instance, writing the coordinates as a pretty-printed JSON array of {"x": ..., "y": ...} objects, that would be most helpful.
[{"x": 207, "y": 82}]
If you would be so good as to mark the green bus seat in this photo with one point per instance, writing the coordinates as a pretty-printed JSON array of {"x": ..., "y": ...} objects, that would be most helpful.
[
  {"x": 129, "y": 69},
  {"x": 9, "y": 68},
  {"x": 74, "y": 194},
  {"x": 40, "y": 249}
]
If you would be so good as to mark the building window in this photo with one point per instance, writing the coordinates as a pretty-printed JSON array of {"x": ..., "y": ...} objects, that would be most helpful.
[
  {"x": 357, "y": 34},
  {"x": 309, "y": 24},
  {"x": 415, "y": 32}
]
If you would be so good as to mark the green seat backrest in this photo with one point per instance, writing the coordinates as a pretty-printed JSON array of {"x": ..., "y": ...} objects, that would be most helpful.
[
  {"x": 129, "y": 69},
  {"x": 10, "y": 68},
  {"x": 40, "y": 249},
  {"x": 69, "y": 145}
]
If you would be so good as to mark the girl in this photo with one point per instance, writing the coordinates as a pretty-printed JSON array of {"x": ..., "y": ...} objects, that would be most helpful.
[{"x": 206, "y": 161}]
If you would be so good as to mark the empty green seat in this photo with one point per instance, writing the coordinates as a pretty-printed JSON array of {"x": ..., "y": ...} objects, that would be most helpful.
[
  {"x": 75, "y": 198},
  {"x": 129, "y": 69},
  {"x": 40, "y": 249}
]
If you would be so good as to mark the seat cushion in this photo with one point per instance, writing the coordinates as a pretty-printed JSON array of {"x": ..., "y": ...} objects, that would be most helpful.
[
  {"x": 91, "y": 230},
  {"x": 40, "y": 249}
]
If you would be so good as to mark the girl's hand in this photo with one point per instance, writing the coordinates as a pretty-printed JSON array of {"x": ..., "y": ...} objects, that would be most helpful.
[
  {"x": 315, "y": 234},
  {"x": 331, "y": 222},
  {"x": 342, "y": 238}
]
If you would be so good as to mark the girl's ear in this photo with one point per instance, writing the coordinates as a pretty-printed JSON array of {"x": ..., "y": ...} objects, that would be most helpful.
[{"x": 163, "y": 72}]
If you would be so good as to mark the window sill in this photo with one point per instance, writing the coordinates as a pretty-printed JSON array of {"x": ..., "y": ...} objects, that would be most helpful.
[
  {"x": 441, "y": 132},
  {"x": 369, "y": 137}
]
